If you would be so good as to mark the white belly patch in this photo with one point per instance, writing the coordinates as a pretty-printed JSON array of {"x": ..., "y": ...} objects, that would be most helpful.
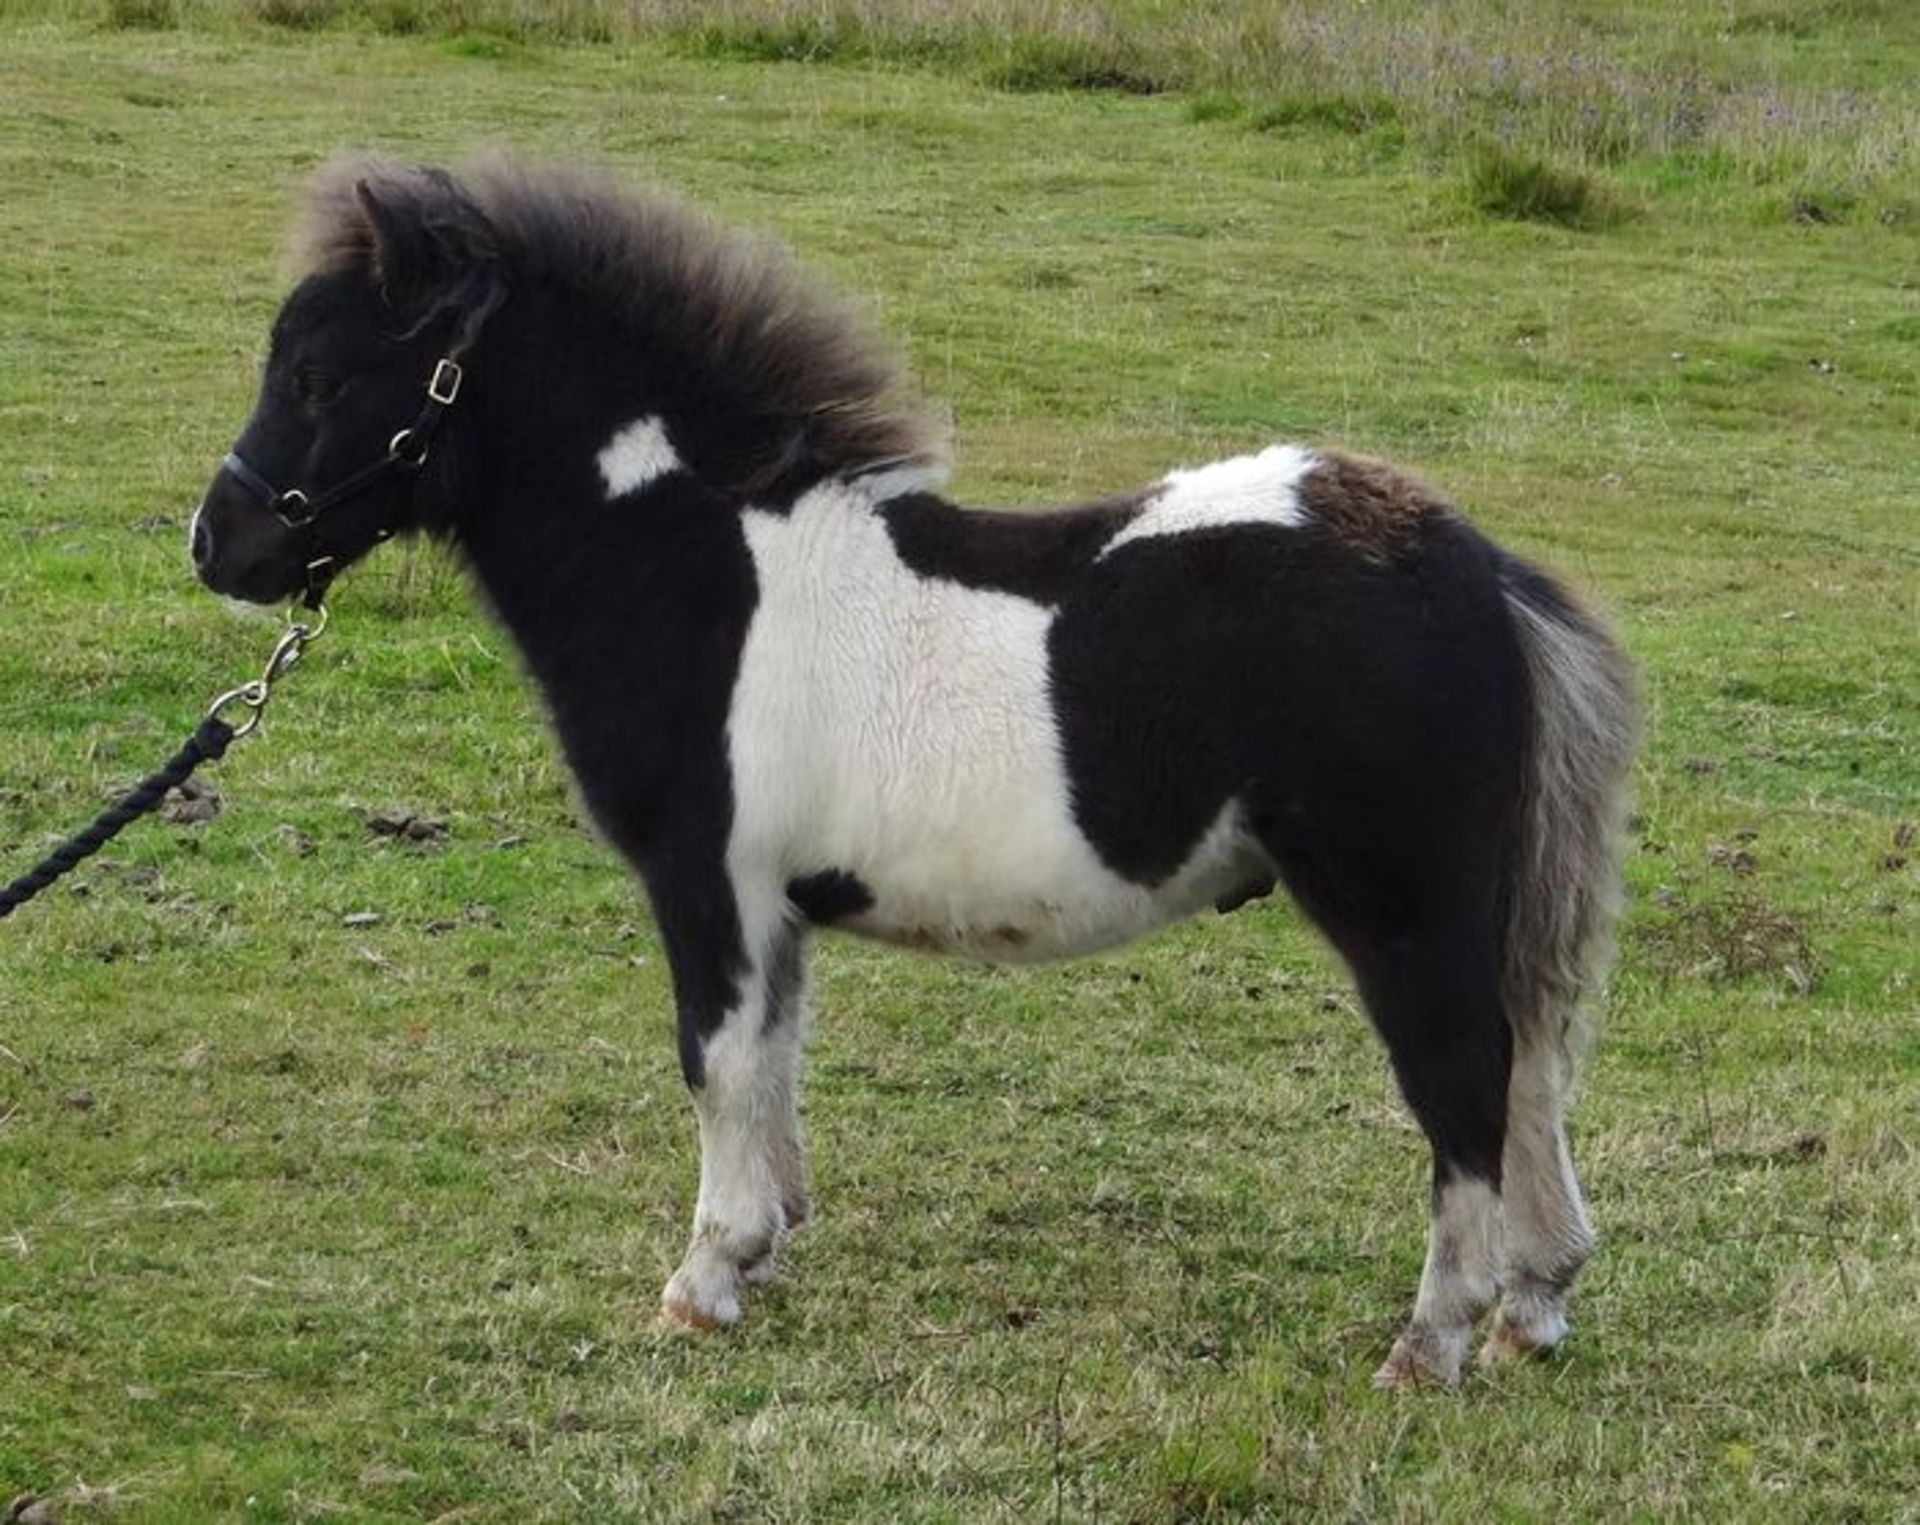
[{"x": 898, "y": 728}]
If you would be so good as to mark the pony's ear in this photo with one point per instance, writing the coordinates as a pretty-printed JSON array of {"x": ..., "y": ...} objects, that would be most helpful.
[
  {"x": 425, "y": 236},
  {"x": 398, "y": 247}
]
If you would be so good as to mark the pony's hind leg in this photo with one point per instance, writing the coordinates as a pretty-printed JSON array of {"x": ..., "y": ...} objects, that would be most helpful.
[
  {"x": 1436, "y": 1003},
  {"x": 743, "y": 1064},
  {"x": 1429, "y": 979},
  {"x": 1548, "y": 1237}
]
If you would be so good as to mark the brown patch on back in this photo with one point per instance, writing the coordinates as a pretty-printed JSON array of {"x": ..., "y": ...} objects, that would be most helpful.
[{"x": 1375, "y": 508}]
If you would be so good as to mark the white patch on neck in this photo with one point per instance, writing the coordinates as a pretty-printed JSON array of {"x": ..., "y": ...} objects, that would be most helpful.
[
  {"x": 1249, "y": 489},
  {"x": 638, "y": 454}
]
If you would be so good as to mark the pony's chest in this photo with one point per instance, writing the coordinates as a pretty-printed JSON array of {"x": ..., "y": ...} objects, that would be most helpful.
[{"x": 870, "y": 699}]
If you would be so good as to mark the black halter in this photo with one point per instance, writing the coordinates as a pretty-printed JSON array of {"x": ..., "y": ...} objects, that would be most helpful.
[{"x": 406, "y": 453}]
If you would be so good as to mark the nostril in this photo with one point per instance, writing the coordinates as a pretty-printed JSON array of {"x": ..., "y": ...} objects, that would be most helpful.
[{"x": 200, "y": 542}]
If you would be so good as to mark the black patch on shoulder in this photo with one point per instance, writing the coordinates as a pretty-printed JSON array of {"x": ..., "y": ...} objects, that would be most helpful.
[
  {"x": 1032, "y": 555},
  {"x": 631, "y": 618},
  {"x": 829, "y": 896}
]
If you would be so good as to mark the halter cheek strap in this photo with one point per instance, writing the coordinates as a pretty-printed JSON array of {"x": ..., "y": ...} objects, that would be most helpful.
[{"x": 406, "y": 453}]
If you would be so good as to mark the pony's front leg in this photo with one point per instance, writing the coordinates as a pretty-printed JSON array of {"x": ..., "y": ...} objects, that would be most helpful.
[{"x": 741, "y": 1024}]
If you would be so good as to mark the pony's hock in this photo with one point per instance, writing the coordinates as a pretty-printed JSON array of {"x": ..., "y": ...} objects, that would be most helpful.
[{"x": 801, "y": 689}]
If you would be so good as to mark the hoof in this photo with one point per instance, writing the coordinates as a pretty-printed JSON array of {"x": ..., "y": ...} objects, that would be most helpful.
[
  {"x": 686, "y": 1315},
  {"x": 1414, "y": 1364},
  {"x": 701, "y": 1297},
  {"x": 1511, "y": 1340}
]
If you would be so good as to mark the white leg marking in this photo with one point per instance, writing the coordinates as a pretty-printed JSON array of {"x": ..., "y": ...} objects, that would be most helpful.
[
  {"x": 637, "y": 455},
  {"x": 1548, "y": 1235},
  {"x": 1249, "y": 489},
  {"x": 752, "y": 1160},
  {"x": 1456, "y": 1287}
]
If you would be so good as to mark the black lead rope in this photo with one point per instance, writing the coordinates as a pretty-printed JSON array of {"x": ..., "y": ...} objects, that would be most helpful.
[{"x": 208, "y": 743}]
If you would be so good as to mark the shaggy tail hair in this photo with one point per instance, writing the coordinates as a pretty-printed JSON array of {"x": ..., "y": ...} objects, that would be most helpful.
[{"x": 1563, "y": 886}]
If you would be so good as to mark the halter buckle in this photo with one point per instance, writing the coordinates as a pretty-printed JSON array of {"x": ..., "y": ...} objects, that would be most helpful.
[
  {"x": 292, "y": 507},
  {"x": 444, "y": 384},
  {"x": 407, "y": 450}
]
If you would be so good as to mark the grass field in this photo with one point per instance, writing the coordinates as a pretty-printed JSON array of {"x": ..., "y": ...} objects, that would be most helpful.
[{"x": 339, "y": 1172}]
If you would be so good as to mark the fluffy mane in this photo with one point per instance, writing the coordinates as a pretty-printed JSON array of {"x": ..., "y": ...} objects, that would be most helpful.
[{"x": 781, "y": 346}]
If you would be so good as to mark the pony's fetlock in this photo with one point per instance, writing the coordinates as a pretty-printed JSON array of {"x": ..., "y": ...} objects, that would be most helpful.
[{"x": 1517, "y": 1334}]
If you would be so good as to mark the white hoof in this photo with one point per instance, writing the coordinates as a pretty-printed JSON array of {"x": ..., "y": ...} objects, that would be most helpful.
[
  {"x": 704, "y": 1293},
  {"x": 1523, "y": 1335},
  {"x": 1422, "y": 1358}
]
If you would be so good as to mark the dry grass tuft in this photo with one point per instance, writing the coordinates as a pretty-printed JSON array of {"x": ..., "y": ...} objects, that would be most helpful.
[{"x": 1730, "y": 937}]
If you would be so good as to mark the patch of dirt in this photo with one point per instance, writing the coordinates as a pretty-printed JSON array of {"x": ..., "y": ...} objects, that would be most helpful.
[
  {"x": 190, "y": 803},
  {"x": 1802, "y": 1149},
  {"x": 405, "y": 826}
]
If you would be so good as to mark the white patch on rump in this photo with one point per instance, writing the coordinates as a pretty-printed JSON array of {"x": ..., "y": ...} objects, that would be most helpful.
[
  {"x": 1248, "y": 489},
  {"x": 637, "y": 455},
  {"x": 900, "y": 728}
]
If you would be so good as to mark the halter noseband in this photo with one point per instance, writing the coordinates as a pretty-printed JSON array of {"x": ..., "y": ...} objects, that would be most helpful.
[{"x": 406, "y": 453}]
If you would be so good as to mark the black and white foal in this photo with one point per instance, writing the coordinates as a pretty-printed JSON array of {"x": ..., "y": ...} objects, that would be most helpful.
[{"x": 800, "y": 689}]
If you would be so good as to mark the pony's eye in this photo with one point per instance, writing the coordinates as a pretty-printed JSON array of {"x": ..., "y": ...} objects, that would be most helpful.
[{"x": 318, "y": 387}]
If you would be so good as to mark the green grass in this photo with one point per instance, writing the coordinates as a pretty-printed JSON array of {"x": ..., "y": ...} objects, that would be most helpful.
[
  {"x": 1809, "y": 94},
  {"x": 1524, "y": 188},
  {"x": 303, "y": 1218}
]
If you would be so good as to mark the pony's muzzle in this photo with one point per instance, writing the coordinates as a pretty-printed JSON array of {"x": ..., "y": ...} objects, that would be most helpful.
[
  {"x": 200, "y": 541},
  {"x": 247, "y": 555}
]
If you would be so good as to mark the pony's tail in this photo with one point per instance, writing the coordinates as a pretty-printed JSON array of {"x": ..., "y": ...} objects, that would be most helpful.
[{"x": 1563, "y": 874}]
